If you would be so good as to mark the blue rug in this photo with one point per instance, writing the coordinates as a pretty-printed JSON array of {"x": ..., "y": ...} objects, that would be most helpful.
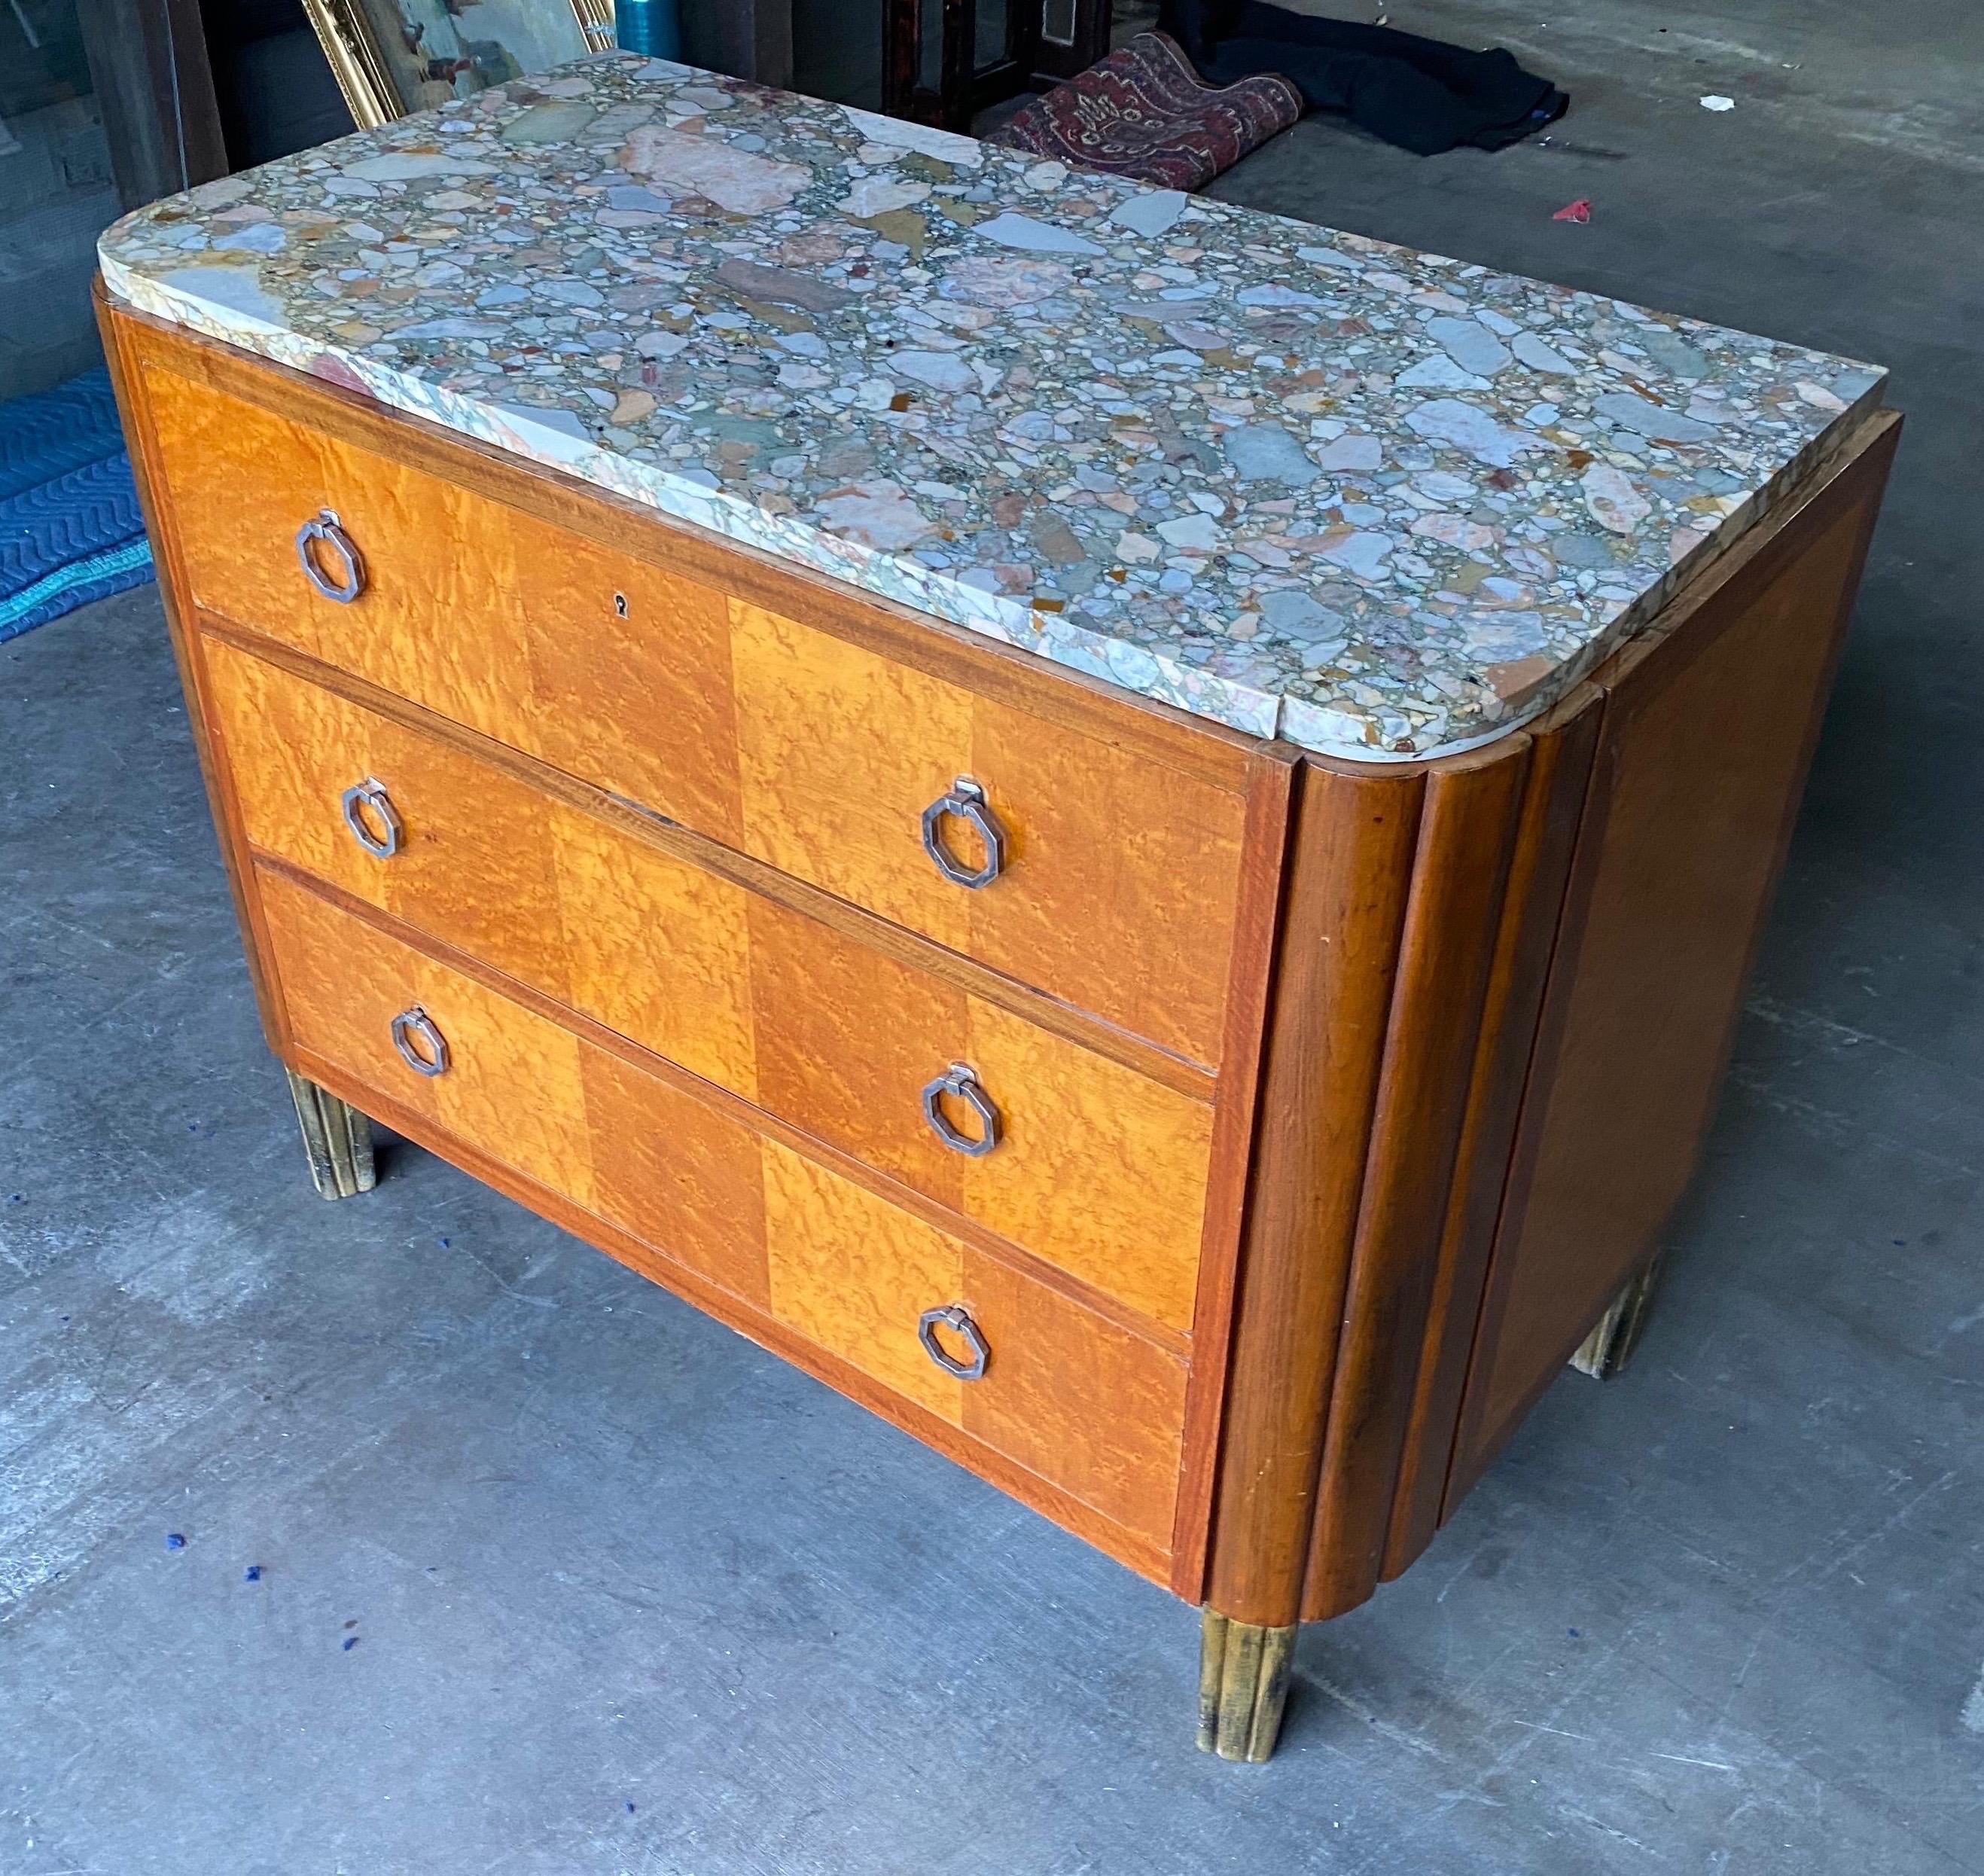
[{"x": 70, "y": 530}]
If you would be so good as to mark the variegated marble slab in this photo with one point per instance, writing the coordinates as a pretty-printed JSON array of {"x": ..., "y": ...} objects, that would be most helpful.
[{"x": 1379, "y": 503}]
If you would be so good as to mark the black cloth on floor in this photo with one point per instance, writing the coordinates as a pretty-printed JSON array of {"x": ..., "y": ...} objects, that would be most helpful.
[{"x": 1422, "y": 95}]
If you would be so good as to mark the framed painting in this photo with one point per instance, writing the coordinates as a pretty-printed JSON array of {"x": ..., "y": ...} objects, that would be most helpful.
[{"x": 392, "y": 58}]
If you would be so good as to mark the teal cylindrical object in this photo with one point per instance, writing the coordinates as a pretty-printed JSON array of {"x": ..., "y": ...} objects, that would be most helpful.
[{"x": 650, "y": 26}]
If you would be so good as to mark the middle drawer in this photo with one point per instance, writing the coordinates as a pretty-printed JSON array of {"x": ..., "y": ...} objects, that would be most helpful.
[{"x": 1091, "y": 1165}]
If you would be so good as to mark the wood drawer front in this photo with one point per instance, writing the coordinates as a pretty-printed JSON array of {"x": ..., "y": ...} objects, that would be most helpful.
[
  {"x": 796, "y": 746},
  {"x": 1077, "y": 1400},
  {"x": 1100, "y": 1170},
  {"x": 477, "y": 610},
  {"x": 1121, "y": 876}
]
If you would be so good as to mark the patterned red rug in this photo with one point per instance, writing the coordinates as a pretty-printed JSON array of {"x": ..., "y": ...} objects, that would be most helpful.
[{"x": 1143, "y": 111}]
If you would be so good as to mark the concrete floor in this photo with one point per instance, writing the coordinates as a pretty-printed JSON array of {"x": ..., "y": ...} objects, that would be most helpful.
[{"x": 627, "y": 1595}]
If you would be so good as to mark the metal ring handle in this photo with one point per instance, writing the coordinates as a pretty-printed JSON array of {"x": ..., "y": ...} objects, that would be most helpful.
[
  {"x": 959, "y": 1081},
  {"x": 953, "y": 1316},
  {"x": 369, "y": 798},
  {"x": 432, "y": 1059},
  {"x": 326, "y": 527},
  {"x": 965, "y": 800}
]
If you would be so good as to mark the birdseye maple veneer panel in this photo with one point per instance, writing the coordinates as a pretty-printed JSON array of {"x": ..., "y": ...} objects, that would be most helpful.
[
  {"x": 1099, "y": 1169},
  {"x": 819, "y": 1255}
]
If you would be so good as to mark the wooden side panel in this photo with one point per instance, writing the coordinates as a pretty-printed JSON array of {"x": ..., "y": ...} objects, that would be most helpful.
[
  {"x": 1569, "y": 929},
  {"x": 1121, "y": 877},
  {"x": 1342, "y": 920},
  {"x": 1708, "y": 735},
  {"x": 1101, "y": 1170},
  {"x": 1069, "y": 1396}
]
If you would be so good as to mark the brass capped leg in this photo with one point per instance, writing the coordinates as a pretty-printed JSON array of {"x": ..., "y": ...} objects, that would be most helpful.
[
  {"x": 1243, "y": 1684},
  {"x": 337, "y": 1138},
  {"x": 1603, "y": 1353}
]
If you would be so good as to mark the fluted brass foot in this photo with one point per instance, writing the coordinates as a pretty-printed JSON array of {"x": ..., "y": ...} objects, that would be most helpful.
[
  {"x": 1243, "y": 1684},
  {"x": 1603, "y": 1353},
  {"x": 337, "y": 1138}
]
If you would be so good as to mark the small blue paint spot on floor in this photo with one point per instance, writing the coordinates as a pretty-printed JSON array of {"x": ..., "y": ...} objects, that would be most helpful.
[{"x": 174, "y": 1540}]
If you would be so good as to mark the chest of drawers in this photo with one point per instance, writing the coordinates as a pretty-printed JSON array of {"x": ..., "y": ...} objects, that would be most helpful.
[{"x": 1216, "y": 1143}]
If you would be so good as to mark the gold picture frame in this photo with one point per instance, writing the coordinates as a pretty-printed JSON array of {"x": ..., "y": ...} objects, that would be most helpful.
[{"x": 392, "y": 58}]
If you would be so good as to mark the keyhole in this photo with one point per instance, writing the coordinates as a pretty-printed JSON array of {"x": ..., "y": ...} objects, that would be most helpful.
[{"x": 620, "y": 605}]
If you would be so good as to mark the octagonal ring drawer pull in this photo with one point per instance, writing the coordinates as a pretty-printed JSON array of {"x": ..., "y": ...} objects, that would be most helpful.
[
  {"x": 957, "y": 1320},
  {"x": 961, "y": 1083},
  {"x": 429, "y": 1056},
  {"x": 373, "y": 820},
  {"x": 324, "y": 527},
  {"x": 965, "y": 800}
]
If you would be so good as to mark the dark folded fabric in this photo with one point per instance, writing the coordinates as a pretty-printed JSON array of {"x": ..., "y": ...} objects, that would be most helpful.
[{"x": 1422, "y": 95}]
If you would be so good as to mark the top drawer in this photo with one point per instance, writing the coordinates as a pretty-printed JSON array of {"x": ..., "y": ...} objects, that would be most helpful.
[{"x": 1112, "y": 881}]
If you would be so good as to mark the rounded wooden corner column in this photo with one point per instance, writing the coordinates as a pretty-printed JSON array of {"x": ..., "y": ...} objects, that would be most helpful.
[
  {"x": 1346, "y": 885},
  {"x": 1406, "y": 889}
]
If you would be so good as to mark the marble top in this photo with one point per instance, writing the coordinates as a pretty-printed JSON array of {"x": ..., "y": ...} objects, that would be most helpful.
[{"x": 1377, "y": 502}]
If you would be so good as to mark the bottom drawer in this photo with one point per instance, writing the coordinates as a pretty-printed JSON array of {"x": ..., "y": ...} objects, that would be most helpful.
[{"x": 1072, "y": 1397}]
